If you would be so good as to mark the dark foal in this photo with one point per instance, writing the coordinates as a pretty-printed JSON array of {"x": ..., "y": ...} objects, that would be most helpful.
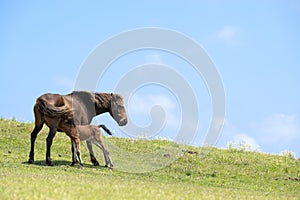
[{"x": 79, "y": 107}]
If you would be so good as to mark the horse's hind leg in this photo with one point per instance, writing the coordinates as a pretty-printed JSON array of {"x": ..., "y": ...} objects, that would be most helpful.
[
  {"x": 34, "y": 133},
  {"x": 92, "y": 155},
  {"x": 49, "y": 141},
  {"x": 39, "y": 122}
]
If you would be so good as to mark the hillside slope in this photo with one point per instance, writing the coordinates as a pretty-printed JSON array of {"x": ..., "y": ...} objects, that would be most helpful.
[{"x": 185, "y": 173}]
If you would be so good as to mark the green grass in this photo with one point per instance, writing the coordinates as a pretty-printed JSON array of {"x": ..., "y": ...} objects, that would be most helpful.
[{"x": 182, "y": 172}]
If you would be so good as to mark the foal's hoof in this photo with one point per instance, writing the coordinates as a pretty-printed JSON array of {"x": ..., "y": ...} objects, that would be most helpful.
[
  {"x": 80, "y": 167},
  {"x": 74, "y": 162},
  {"x": 111, "y": 167}
]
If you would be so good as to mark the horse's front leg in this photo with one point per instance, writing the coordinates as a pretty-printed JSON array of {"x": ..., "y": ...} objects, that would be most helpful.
[
  {"x": 92, "y": 155},
  {"x": 49, "y": 140}
]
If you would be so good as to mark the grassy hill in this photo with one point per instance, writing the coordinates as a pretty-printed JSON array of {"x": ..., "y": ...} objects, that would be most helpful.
[{"x": 195, "y": 173}]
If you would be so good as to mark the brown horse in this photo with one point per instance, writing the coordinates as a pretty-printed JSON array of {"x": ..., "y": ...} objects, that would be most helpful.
[{"x": 59, "y": 112}]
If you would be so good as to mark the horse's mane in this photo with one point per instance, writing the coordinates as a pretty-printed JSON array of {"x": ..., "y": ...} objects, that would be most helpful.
[{"x": 102, "y": 100}]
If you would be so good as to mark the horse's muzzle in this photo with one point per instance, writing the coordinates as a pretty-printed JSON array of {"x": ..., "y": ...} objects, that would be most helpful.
[{"x": 123, "y": 122}]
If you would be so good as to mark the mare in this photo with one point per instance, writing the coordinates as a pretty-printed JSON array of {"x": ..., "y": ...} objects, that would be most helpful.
[{"x": 77, "y": 108}]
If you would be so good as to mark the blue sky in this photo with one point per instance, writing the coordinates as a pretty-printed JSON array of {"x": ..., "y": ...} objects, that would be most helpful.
[{"x": 255, "y": 46}]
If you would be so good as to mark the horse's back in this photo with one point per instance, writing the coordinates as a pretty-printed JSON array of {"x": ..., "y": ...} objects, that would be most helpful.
[
  {"x": 76, "y": 97},
  {"x": 83, "y": 103},
  {"x": 80, "y": 102},
  {"x": 56, "y": 100}
]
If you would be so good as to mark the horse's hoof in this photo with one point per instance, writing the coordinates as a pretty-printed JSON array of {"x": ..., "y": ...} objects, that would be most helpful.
[
  {"x": 80, "y": 167},
  {"x": 30, "y": 161},
  {"x": 73, "y": 163},
  {"x": 49, "y": 163},
  {"x": 96, "y": 163}
]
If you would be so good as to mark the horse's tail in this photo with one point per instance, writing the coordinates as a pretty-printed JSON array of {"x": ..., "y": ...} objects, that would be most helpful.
[
  {"x": 53, "y": 111},
  {"x": 105, "y": 128}
]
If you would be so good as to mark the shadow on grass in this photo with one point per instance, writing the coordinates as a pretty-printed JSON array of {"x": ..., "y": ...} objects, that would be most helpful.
[{"x": 61, "y": 163}]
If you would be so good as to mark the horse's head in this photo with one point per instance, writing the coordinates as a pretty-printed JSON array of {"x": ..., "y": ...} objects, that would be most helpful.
[{"x": 118, "y": 111}]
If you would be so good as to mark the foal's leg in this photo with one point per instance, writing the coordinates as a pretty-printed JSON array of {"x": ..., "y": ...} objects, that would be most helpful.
[
  {"x": 92, "y": 155},
  {"x": 76, "y": 143},
  {"x": 104, "y": 154},
  {"x": 49, "y": 140},
  {"x": 73, "y": 149},
  {"x": 37, "y": 128},
  {"x": 72, "y": 132},
  {"x": 100, "y": 144}
]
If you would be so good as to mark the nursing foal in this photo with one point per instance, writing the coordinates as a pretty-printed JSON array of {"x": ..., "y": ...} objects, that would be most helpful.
[{"x": 90, "y": 133}]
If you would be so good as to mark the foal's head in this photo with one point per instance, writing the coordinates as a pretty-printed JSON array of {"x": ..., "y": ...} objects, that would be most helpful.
[{"x": 118, "y": 111}]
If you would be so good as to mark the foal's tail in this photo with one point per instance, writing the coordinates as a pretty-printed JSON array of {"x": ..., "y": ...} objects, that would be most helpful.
[
  {"x": 53, "y": 111},
  {"x": 105, "y": 128}
]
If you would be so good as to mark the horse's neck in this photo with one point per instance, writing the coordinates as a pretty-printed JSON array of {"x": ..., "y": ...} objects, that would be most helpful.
[
  {"x": 102, "y": 103},
  {"x": 102, "y": 109}
]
